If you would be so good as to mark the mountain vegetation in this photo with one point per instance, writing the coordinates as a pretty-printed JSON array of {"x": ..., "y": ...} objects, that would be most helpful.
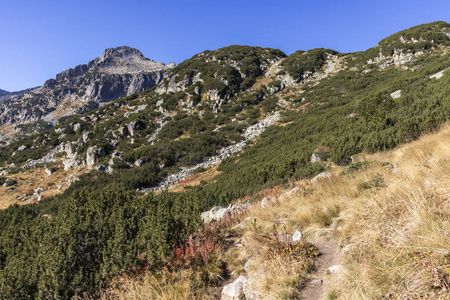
[
  {"x": 107, "y": 222},
  {"x": 381, "y": 221}
]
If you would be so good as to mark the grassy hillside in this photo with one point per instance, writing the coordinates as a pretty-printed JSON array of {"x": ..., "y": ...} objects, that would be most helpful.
[
  {"x": 101, "y": 226},
  {"x": 385, "y": 217}
]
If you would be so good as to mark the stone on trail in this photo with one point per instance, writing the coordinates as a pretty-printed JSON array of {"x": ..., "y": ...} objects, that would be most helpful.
[{"x": 234, "y": 290}]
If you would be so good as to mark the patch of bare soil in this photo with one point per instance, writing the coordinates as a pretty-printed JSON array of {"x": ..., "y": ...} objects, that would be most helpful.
[
  {"x": 316, "y": 286},
  {"x": 23, "y": 192}
]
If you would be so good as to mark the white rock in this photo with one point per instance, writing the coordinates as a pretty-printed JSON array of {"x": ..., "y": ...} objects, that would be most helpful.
[
  {"x": 77, "y": 127},
  {"x": 139, "y": 163},
  {"x": 100, "y": 168},
  {"x": 234, "y": 290},
  {"x": 438, "y": 75},
  {"x": 85, "y": 136},
  {"x": 70, "y": 163},
  {"x": 335, "y": 269},
  {"x": 249, "y": 286},
  {"x": 396, "y": 94},
  {"x": 21, "y": 148},
  {"x": 265, "y": 202},
  {"x": 216, "y": 213},
  {"x": 321, "y": 176},
  {"x": 70, "y": 149},
  {"x": 38, "y": 191},
  {"x": 297, "y": 236},
  {"x": 92, "y": 153},
  {"x": 315, "y": 158}
]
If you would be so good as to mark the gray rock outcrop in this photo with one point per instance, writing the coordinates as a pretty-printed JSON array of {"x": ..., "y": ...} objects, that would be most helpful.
[
  {"x": 9, "y": 182},
  {"x": 92, "y": 154},
  {"x": 133, "y": 127},
  {"x": 398, "y": 58},
  {"x": 70, "y": 163},
  {"x": 286, "y": 80},
  {"x": 321, "y": 176},
  {"x": 218, "y": 212},
  {"x": 119, "y": 72}
]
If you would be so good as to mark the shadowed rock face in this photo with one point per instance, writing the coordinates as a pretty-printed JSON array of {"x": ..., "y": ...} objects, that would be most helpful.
[{"x": 117, "y": 73}]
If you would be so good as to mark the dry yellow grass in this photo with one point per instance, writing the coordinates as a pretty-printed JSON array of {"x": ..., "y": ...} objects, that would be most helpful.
[
  {"x": 30, "y": 179},
  {"x": 395, "y": 222},
  {"x": 400, "y": 235},
  {"x": 162, "y": 287}
]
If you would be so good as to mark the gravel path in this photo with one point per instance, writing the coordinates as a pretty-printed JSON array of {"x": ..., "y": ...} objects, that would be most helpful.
[{"x": 316, "y": 286}]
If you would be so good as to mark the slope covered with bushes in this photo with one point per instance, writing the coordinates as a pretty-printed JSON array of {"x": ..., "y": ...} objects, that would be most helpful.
[{"x": 101, "y": 226}]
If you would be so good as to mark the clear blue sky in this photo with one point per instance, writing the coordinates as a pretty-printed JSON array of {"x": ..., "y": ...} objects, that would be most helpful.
[{"x": 40, "y": 38}]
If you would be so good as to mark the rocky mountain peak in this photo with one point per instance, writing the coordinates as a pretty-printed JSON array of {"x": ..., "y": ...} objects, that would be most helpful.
[
  {"x": 119, "y": 72},
  {"x": 124, "y": 60},
  {"x": 123, "y": 52},
  {"x": 120, "y": 60}
]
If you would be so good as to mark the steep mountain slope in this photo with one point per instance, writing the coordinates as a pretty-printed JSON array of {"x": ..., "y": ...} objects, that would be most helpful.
[
  {"x": 380, "y": 224},
  {"x": 322, "y": 106},
  {"x": 118, "y": 72}
]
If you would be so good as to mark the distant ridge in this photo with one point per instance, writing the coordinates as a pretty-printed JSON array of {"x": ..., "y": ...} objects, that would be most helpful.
[{"x": 4, "y": 95}]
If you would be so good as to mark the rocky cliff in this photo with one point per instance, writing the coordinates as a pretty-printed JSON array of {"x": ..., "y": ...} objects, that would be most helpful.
[{"x": 119, "y": 72}]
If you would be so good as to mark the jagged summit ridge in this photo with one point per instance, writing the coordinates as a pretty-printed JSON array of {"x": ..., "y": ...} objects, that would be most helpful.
[
  {"x": 119, "y": 72},
  {"x": 120, "y": 60},
  {"x": 124, "y": 52},
  {"x": 126, "y": 60}
]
